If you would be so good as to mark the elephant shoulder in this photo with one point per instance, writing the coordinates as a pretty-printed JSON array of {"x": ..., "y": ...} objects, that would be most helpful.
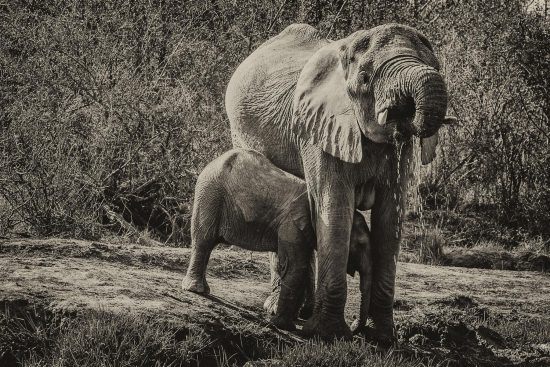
[
  {"x": 301, "y": 32},
  {"x": 301, "y": 29},
  {"x": 296, "y": 35}
]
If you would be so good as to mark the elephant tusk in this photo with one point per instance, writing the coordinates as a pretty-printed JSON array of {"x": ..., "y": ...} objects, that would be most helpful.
[{"x": 382, "y": 116}]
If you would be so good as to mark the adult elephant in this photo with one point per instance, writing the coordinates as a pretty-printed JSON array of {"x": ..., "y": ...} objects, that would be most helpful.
[{"x": 342, "y": 114}]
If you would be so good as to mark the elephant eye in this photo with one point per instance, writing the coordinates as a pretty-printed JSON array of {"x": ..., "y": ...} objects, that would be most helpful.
[{"x": 364, "y": 76}]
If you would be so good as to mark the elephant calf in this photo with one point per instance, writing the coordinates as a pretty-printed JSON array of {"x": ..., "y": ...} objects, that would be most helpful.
[{"x": 242, "y": 199}]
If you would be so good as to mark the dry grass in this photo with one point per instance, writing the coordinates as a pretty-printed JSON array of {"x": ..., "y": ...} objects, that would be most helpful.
[
  {"x": 448, "y": 237},
  {"x": 35, "y": 337}
]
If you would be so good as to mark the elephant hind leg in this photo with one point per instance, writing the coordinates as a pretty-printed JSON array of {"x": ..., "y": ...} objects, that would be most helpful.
[
  {"x": 294, "y": 264},
  {"x": 271, "y": 302},
  {"x": 195, "y": 280},
  {"x": 205, "y": 229}
]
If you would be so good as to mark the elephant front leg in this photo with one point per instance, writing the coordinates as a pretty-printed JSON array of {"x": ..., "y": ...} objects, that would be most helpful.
[
  {"x": 270, "y": 304},
  {"x": 307, "y": 308},
  {"x": 387, "y": 221},
  {"x": 333, "y": 227}
]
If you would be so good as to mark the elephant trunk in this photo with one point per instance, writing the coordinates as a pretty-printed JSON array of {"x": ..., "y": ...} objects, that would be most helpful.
[
  {"x": 410, "y": 88},
  {"x": 426, "y": 87}
]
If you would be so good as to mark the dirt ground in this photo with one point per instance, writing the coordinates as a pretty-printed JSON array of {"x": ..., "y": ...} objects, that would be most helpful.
[{"x": 463, "y": 316}]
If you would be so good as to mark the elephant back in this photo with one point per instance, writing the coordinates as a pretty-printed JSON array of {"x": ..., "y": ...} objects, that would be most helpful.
[{"x": 260, "y": 94}]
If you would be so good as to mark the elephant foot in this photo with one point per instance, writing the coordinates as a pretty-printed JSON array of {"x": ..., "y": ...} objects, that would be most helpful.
[
  {"x": 195, "y": 285},
  {"x": 384, "y": 333},
  {"x": 270, "y": 304},
  {"x": 384, "y": 339},
  {"x": 365, "y": 331},
  {"x": 283, "y": 323},
  {"x": 384, "y": 336},
  {"x": 327, "y": 329}
]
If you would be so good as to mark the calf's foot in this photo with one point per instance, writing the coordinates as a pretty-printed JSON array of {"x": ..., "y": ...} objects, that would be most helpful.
[
  {"x": 358, "y": 327},
  {"x": 195, "y": 284},
  {"x": 283, "y": 323}
]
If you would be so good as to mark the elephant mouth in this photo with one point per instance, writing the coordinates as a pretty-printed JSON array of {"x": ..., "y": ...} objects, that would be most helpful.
[{"x": 398, "y": 115}]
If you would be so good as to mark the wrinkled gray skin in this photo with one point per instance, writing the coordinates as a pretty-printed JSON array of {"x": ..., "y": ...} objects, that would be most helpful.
[
  {"x": 342, "y": 114},
  {"x": 242, "y": 199}
]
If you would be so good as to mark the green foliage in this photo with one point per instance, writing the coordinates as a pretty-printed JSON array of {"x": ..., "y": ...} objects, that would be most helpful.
[{"x": 115, "y": 106}]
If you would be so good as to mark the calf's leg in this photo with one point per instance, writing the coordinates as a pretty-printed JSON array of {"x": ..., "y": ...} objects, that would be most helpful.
[{"x": 195, "y": 280}]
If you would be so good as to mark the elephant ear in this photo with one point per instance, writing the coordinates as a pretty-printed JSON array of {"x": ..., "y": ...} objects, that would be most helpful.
[
  {"x": 323, "y": 111},
  {"x": 429, "y": 144},
  {"x": 300, "y": 214},
  {"x": 427, "y": 148}
]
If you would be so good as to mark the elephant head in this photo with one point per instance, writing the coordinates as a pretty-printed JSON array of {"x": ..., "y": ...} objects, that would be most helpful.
[{"x": 382, "y": 83}]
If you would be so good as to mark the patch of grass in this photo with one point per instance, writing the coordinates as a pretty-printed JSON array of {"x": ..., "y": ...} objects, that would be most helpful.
[
  {"x": 356, "y": 353},
  {"x": 431, "y": 247},
  {"x": 32, "y": 335},
  {"x": 104, "y": 338},
  {"x": 517, "y": 330},
  {"x": 26, "y": 334},
  {"x": 521, "y": 330},
  {"x": 444, "y": 237},
  {"x": 471, "y": 228},
  {"x": 425, "y": 246},
  {"x": 36, "y": 337},
  {"x": 536, "y": 245},
  {"x": 490, "y": 256}
]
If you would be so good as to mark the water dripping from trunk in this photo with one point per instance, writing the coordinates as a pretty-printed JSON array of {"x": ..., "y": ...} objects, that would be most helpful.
[{"x": 399, "y": 192}]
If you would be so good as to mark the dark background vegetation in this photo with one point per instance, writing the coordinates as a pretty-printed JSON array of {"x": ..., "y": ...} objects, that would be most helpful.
[{"x": 110, "y": 109}]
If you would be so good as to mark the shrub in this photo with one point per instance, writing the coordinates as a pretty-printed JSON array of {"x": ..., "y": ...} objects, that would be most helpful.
[
  {"x": 493, "y": 55},
  {"x": 110, "y": 109},
  {"x": 103, "y": 113}
]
